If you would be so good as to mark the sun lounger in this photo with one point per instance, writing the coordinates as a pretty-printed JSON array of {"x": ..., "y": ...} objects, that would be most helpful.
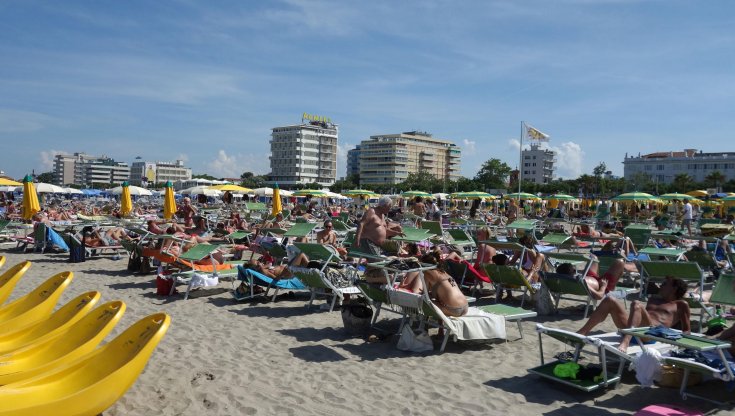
[
  {"x": 255, "y": 278},
  {"x": 319, "y": 283},
  {"x": 318, "y": 252},
  {"x": 461, "y": 238},
  {"x": 508, "y": 278},
  {"x": 673, "y": 254},
  {"x": 300, "y": 230},
  {"x": 640, "y": 235},
  {"x": 414, "y": 235},
  {"x": 510, "y": 313},
  {"x": 95, "y": 381},
  {"x": 467, "y": 276},
  {"x": 656, "y": 271}
]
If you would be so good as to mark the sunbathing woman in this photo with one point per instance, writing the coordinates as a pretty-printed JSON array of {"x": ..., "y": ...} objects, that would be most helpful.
[
  {"x": 443, "y": 290},
  {"x": 100, "y": 238},
  {"x": 532, "y": 261}
]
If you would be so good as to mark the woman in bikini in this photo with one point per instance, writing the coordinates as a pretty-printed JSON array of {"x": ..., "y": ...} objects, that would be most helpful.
[
  {"x": 532, "y": 261},
  {"x": 443, "y": 290}
]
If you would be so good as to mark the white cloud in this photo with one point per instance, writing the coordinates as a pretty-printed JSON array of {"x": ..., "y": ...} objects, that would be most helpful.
[
  {"x": 469, "y": 146},
  {"x": 569, "y": 157},
  {"x": 47, "y": 159},
  {"x": 183, "y": 157},
  {"x": 232, "y": 166},
  {"x": 514, "y": 144},
  {"x": 342, "y": 158},
  {"x": 14, "y": 121}
]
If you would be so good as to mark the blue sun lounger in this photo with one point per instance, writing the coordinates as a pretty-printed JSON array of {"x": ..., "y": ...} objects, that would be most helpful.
[{"x": 253, "y": 278}]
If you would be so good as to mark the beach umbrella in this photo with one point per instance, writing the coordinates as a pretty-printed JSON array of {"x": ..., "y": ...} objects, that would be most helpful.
[
  {"x": 276, "y": 201},
  {"x": 134, "y": 190},
  {"x": 411, "y": 194},
  {"x": 561, "y": 197},
  {"x": 201, "y": 190},
  {"x": 634, "y": 197},
  {"x": 47, "y": 188},
  {"x": 73, "y": 191},
  {"x": 471, "y": 195},
  {"x": 669, "y": 197},
  {"x": 126, "y": 203},
  {"x": 169, "y": 201},
  {"x": 440, "y": 195},
  {"x": 8, "y": 188},
  {"x": 309, "y": 192},
  {"x": 263, "y": 191},
  {"x": 698, "y": 193},
  {"x": 232, "y": 188},
  {"x": 30, "y": 199},
  {"x": 9, "y": 182},
  {"x": 522, "y": 195},
  {"x": 358, "y": 192}
]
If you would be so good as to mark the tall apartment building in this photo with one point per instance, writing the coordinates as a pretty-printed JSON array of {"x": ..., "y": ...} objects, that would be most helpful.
[
  {"x": 158, "y": 172},
  {"x": 85, "y": 170},
  {"x": 663, "y": 167},
  {"x": 538, "y": 164},
  {"x": 388, "y": 159},
  {"x": 304, "y": 153},
  {"x": 353, "y": 161}
]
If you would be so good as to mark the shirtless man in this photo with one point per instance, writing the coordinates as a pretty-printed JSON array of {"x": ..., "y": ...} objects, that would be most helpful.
[
  {"x": 374, "y": 230},
  {"x": 187, "y": 212},
  {"x": 419, "y": 209},
  {"x": 668, "y": 309}
]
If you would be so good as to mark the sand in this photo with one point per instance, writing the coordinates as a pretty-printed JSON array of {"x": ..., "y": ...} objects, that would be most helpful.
[{"x": 259, "y": 358}]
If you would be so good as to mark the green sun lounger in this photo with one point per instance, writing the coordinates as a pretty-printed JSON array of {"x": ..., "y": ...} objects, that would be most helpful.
[
  {"x": 508, "y": 278},
  {"x": 300, "y": 230},
  {"x": 656, "y": 271},
  {"x": 639, "y": 235},
  {"x": 510, "y": 313},
  {"x": 256, "y": 206},
  {"x": 674, "y": 254},
  {"x": 320, "y": 252},
  {"x": 414, "y": 235}
]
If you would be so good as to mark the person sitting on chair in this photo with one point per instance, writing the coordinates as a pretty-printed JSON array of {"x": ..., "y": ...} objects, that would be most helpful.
[
  {"x": 329, "y": 237},
  {"x": 597, "y": 285},
  {"x": 667, "y": 309}
]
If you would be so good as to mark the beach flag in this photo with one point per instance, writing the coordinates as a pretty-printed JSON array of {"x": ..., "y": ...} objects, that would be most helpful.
[
  {"x": 276, "y": 201},
  {"x": 535, "y": 134}
]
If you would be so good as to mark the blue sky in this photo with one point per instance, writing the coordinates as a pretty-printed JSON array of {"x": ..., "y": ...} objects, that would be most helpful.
[{"x": 206, "y": 81}]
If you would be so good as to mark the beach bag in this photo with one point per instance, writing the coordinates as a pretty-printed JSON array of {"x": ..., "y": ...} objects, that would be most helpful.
[
  {"x": 543, "y": 300},
  {"x": 164, "y": 285},
  {"x": 356, "y": 316},
  {"x": 77, "y": 253},
  {"x": 410, "y": 341},
  {"x": 134, "y": 264}
]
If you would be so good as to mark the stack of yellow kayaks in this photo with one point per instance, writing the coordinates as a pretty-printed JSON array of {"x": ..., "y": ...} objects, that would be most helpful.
[{"x": 52, "y": 364}]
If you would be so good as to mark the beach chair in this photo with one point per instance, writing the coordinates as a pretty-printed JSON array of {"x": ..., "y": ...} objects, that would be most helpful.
[
  {"x": 524, "y": 226},
  {"x": 461, "y": 238},
  {"x": 255, "y": 278},
  {"x": 36, "y": 305},
  {"x": 319, "y": 283},
  {"x": 80, "y": 338},
  {"x": 558, "y": 240},
  {"x": 435, "y": 228},
  {"x": 723, "y": 293},
  {"x": 608, "y": 357},
  {"x": 657, "y": 271},
  {"x": 563, "y": 286},
  {"x": 256, "y": 206},
  {"x": 318, "y": 252},
  {"x": 640, "y": 235},
  {"x": 95, "y": 381},
  {"x": 55, "y": 326},
  {"x": 300, "y": 230},
  {"x": 510, "y": 313},
  {"x": 414, "y": 235},
  {"x": 508, "y": 278},
  {"x": 700, "y": 344},
  {"x": 467, "y": 276},
  {"x": 10, "y": 278},
  {"x": 90, "y": 251},
  {"x": 672, "y": 254},
  {"x": 703, "y": 258}
]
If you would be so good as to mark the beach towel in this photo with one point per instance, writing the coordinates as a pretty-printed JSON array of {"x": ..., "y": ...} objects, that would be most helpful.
[
  {"x": 477, "y": 324},
  {"x": 55, "y": 239}
]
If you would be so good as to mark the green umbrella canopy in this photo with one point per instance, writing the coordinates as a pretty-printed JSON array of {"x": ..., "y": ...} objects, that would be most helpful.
[
  {"x": 522, "y": 195},
  {"x": 668, "y": 197},
  {"x": 416, "y": 193},
  {"x": 471, "y": 195},
  {"x": 561, "y": 197},
  {"x": 633, "y": 196},
  {"x": 358, "y": 192},
  {"x": 309, "y": 192}
]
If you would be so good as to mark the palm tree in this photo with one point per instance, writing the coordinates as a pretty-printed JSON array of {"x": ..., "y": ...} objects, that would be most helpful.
[
  {"x": 714, "y": 179},
  {"x": 683, "y": 183}
]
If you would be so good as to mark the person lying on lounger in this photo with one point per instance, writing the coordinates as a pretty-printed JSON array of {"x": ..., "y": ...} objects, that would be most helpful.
[
  {"x": 597, "y": 285},
  {"x": 100, "y": 238},
  {"x": 443, "y": 289},
  {"x": 667, "y": 309}
]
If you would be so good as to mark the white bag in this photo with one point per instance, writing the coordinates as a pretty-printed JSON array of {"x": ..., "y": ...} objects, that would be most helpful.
[
  {"x": 543, "y": 300},
  {"x": 414, "y": 343}
]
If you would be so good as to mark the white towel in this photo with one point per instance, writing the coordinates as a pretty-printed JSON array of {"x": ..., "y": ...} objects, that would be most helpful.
[
  {"x": 203, "y": 280},
  {"x": 478, "y": 324}
]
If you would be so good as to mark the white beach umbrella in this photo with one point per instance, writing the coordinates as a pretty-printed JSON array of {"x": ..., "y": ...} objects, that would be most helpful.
[
  {"x": 8, "y": 188},
  {"x": 73, "y": 191},
  {"x": 134, "y": 190},
  {"x": 440, "y": 195},
  {"x": 47, "y": 188},
  {"x": 286, "y": 193},
  {"x": 201, "y": 190},
  {"x": 264, "y": 191}
]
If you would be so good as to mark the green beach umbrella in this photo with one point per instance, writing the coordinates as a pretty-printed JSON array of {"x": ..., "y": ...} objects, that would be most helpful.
[
  {"x": 416, "y": 193},
  {"x": 561, "y": 197},
  {"x": 359, "y": 192},
  {"x": 633, "y": 197},
  {"x": 309, "y": 192},
  {"x": 669, "y": 197},
  {"x": 471, "y": 195},
  {"x": 522, "y": 195}
]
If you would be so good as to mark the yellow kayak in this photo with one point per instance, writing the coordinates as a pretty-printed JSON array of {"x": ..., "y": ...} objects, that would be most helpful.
[
  {"x": 52, "y": 327},
  {"x": 82, "y": 338},
  {"x": 36, "y": 305},
  {"x": 91, "y": 384},
  {"x": 10, "y": 277}
]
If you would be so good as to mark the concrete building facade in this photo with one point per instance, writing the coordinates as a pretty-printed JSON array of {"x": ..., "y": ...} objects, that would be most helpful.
[
  {"x": 353, "y": 161},
  {"x": 304, "y": 153},
  {"x": 158, "y": 172},
  {"x": 663, "y": 167},
  {"x": 85, "y": 170},
  {"x": 538, "y": 164}
]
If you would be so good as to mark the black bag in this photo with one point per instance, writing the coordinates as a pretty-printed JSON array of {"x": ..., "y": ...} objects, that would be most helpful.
[
  {"x": 357, "y": 315},
  {"x": 77, "y": 253},
  {"x": 134, "y": 264}
]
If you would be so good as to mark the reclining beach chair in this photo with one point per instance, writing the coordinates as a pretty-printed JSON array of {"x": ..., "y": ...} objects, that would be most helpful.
[
  {"x": 701, "y": 344},
  {"x": 672, "y": 254},
  {"x": 561, "y": 286},
  {"x": 558, "y": 241},
  {"x": 300, "y": 230},
  {"x": 509, "y": 278},
  {"x": 723, "y": 293},
  {"x": 317, "y": 281},
  {"x": 510, "y": 313},
  {"x": 639, "y": 234},
  {"x": 467, "y": 276},
  {"x": 462, "y": 239},
  {"x": 435, "y": 228},
  {"x": 255, "y": 278},
  {"x": 525, "y": 226},
  {"x": 657, "y": 271}
]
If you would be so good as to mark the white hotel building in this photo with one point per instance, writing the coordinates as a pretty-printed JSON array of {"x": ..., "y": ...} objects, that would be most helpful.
[{"x": 304, "y": 153}]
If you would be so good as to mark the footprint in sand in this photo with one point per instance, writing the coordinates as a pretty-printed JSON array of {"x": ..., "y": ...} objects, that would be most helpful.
[{"x": 201, "y": 375}]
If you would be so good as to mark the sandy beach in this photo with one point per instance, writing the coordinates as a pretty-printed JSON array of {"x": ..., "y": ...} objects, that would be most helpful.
[{"x": 256, "y": 358}]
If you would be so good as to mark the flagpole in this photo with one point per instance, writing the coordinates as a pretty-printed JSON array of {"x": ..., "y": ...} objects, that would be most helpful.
[{"x": 520, "y": 165}]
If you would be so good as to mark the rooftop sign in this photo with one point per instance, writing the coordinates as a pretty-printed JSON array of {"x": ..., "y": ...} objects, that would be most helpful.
[{"x": 312, "y": 117}]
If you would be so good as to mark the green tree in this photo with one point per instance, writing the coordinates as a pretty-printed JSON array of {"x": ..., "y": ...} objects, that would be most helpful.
[
  {"x": 421, "y": 181},
  {"x": 599, "y": 172},
  {"x": 492, "y": 175},
  {"x": 714, "y": 179},
  {"x": 641, "y": 182},
  {"x": 682, "y": 183},
  {"x": 203, "y": 176},
  {"x": 250, "y": 180},
  {"x": 342, "y": 185},
  {"x": 45, "y": 177}
]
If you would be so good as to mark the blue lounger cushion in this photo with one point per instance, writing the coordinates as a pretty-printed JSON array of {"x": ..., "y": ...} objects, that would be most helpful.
[{"x": 263, "y": 280}]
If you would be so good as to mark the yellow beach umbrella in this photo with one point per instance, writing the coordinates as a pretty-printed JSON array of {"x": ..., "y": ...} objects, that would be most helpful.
[
  {"x": 698, "y": 193},
  {"x": 169, "y": 203},
  {"x": 232, "y": 188},
  {"x": 276, "y": 201},
  {"x": 9, "y": 182},
  {"x": 30, "y": 199},
  {"x": 126, "y": 203}
]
